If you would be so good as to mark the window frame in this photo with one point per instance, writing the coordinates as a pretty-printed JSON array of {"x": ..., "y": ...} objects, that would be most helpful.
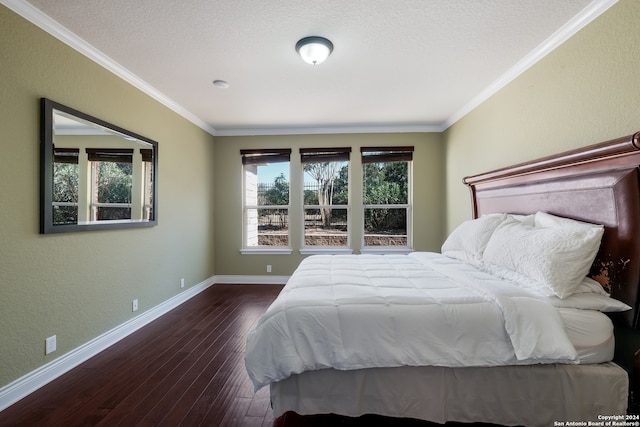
[
  {"x": 389, "y": 154},
  {"x": 257, "y": 157},
  {"x": 96, "y": 158},
  {"x": 325, "y": 155},
  {"x": 65, "y": 156}
]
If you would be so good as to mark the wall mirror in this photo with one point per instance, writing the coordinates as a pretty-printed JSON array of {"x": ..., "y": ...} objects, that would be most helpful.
[{"x": 94, "y": 175}]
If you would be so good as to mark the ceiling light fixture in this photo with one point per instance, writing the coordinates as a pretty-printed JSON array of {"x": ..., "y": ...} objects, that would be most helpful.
[
  {"x": 221, "y": 84},
  {"x": 314, "y": 50}
]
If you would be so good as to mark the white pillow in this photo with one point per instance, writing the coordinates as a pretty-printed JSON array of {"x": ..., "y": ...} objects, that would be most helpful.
[
  {"x": 526, "y": 219},
  {"x": 590, "y": 301},
  {"x": 468, "y": 241},
  {"x": 588, "y": 285},
  {"x": 557, "y": 257},
  {"x": 544, "y": 219}
]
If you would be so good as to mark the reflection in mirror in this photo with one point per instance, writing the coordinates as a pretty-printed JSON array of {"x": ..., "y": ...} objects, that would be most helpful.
[{"x": 94, "y": 175}]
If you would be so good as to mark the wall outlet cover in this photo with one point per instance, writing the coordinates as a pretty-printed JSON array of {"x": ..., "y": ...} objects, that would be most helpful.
[{"x": 50, "y": 345}]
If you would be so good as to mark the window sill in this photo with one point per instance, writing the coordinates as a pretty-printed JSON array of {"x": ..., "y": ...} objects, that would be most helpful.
[
  {"x": 266, "y": 251},
  {"x": 387, "y": 250},
  {"x": 326, "y": 251}
]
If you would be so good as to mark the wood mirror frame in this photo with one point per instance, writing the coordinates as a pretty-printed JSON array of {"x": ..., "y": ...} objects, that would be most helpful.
[{"x": 84, "y": 147}]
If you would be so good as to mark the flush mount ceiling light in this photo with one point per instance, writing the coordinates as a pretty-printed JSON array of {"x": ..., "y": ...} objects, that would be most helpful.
[
  {"x": 314, "y": 50},
  {"x": 221, "y": 84}
]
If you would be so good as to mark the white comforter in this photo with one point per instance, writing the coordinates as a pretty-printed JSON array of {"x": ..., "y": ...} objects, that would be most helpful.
[{"x": 364, "y": 311}]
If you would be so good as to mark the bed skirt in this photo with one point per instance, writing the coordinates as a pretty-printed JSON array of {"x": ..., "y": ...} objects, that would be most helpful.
[{"x": 536, "y": 395}]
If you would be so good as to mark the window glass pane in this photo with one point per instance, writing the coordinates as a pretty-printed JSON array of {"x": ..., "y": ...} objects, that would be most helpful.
[
  {"x": 273, "y": 184},
  {"x": 386, "y": 183},
  {"x": 113, "y": 213},
  {"x": 114, "y": 182},
  {"x": 267, "y": 227},
  {"x": 385, "y": 226},
  {"x": 267, "y": 185},
  {"x": 325, "y": 227},
  {"x": 326, "y": 183},
  {"x": 65, "y": 193}
]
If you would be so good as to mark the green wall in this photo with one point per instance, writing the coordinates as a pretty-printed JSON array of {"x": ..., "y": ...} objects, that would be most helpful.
[
  {"x": 80, "y": 285},
  {"x": 584, "y": 92},
  {"x": 428, "y": 194}
]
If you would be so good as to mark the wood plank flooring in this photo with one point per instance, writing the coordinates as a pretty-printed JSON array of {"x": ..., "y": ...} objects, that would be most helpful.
[{"x": 186, "y": 368}]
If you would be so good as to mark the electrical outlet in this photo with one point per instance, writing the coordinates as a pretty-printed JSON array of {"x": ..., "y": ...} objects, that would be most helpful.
[
  {"x": 268, "y": 268},
  {"x": 182, "y": 283},
  {"x": 134, "y": 305},
  {"x": 50, "y": 345}
]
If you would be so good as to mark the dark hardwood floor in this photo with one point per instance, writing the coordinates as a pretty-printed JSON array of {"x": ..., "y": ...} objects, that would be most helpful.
[{"x": 186, "y": 368}]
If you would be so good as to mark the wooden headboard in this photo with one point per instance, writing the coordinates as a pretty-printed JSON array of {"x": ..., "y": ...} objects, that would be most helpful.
[{"x": 598, "y": 184}]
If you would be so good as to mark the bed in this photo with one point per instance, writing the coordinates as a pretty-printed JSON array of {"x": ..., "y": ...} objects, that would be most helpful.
[{"x": 535, "y": 385}]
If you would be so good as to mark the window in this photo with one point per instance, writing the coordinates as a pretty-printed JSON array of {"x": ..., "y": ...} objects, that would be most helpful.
[
  {"x": 386, "y": 196},
  {"x": 326, "y": 196},
  {"x": 266, "y": 198},
  {"x": 112, "y": 181},
  {"x": 65, "y": 185},
  {"x": 102, "y": 185}
]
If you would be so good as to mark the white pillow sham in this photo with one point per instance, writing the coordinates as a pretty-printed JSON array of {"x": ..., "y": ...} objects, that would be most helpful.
[
  {"x": 557, "y": 258},
  {"x": 588, "y": 285},
  {"x": 544, "y": 219},
  {"x": 469, "y": 240},
  {"x": 525, "y": 219},
  {"x": 590, "y": 301}
]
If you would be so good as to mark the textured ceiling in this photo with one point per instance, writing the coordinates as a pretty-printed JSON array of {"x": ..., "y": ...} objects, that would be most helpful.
[{"x": 397, "y": 64}]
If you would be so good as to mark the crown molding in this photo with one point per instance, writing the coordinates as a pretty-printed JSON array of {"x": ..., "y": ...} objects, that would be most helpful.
[
  {"x": 41, "y": 20},
  {"x": 581, "y": 20},
  {"x": 331, "y": 130}
]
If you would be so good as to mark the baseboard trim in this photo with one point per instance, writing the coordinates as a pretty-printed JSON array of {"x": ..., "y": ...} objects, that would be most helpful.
[
  {"x": 253, "y": 280},
  {"x": 22, "y": 387}
]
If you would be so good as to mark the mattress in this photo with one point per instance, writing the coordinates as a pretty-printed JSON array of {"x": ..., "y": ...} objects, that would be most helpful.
[{"x": 590, "y": 332}]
